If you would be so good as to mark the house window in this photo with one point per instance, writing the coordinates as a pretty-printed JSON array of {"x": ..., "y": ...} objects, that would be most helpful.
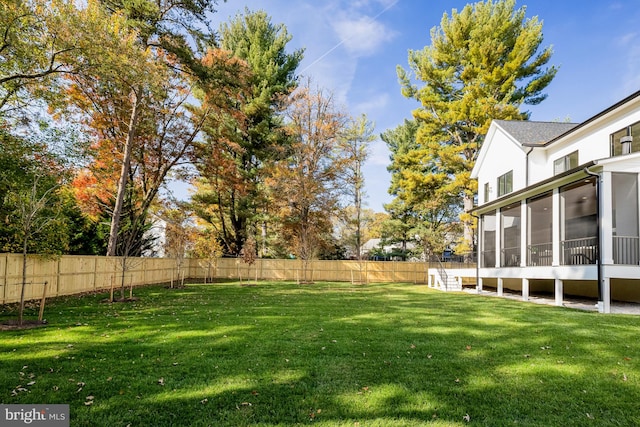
[
  {"x": 565, "y": 163},
  {"x": 486, "y": 192},
  {"x": 616, "y": 145},
  {"x": 505, "y": 183}
]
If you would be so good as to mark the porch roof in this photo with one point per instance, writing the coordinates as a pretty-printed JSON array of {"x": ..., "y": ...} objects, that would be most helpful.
[{"x": 535, "y": 188}]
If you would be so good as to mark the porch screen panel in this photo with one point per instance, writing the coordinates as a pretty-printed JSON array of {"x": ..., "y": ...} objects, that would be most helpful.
[
  {"x": 579, "y": 224},
  {"x": 540, "y": 230},
  {"x": 510, "y": 242},
  {"x": 488, "y": 243},
  {"x": 625, "y": 218}
]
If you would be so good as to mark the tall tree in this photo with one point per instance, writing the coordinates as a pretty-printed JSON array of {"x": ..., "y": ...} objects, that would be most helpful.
[
  {"x": 163, "y": 28},
  {"x": 307, "y": 183},
  {"x": 134, "y": 100},
  {"x": 354, "y": 145},
  {"x": 483, "y": 63},
  {"x": 255, "y": 137}
]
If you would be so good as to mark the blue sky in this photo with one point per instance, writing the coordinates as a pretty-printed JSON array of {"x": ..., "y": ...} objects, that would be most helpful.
[{"x": 353, "y": 48}]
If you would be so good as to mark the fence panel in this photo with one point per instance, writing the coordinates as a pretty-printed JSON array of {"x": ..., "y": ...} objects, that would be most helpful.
[{"x": 76, "y": 274}]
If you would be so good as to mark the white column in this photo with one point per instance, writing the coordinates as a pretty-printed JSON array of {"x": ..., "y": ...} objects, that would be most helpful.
[
  {"x": 605, "y": 307},
  {"x": 559, "y": 292},
  {"x": 479, "y": 285},
  {"x": 606, "y": 234},
  {"x": 524, "y": 220},
  {"x": 525, "y": 289},
  {"x": 500, "y": 287},
  {"x": 498, "y": 238},
  {"x": 555, "y": 203}
]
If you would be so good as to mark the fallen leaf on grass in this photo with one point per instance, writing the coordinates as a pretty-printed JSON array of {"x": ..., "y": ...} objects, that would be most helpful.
[
  {"x": 589, "y": 416},
  {"x": 203, "y": 401},
  {"x": 467, "y": 418},
  {"x": 161, "y": 381},
  {"x": 624, "y": 377},
  {"x": 468, "y": 347}
]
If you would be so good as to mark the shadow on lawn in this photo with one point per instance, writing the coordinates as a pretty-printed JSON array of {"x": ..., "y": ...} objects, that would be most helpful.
[{"x": 334, "y": 354}]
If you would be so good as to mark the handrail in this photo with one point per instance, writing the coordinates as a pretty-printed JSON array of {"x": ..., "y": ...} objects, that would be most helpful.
[{"x": 443, "y": 273}]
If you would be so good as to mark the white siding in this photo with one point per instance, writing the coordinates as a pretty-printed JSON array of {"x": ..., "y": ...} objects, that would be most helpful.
[{"x": 503, "y": 155}]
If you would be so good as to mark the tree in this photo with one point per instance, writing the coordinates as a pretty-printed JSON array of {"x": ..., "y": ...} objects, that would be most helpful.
[
  {"x": 354, "y": 145},
  {"x": 417, "y": 213},
  {"x": 207, "y": 249},
  {"x": 247, "y": 142},
  {"x": 483, "y": 63},
  {"x": 179, "y": 235},
  {"x": 31, "y": 219},
  {"x": 32, "y": 48},
  {"x": 305, "y": 185},
  {"x": 145, "y": 80}
]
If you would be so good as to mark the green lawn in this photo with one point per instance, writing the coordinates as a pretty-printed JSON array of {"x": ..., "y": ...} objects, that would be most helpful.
[{"x": 328, "y": 354}]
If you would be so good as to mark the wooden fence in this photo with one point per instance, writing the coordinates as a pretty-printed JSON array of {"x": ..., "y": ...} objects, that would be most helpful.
[{"x": 70, "y": 275}]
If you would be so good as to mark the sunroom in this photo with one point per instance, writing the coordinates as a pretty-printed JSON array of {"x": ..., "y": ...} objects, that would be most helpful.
[{"x": 559, "y": 208}]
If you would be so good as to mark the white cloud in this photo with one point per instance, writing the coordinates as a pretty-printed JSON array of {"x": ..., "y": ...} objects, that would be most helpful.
[
  {"x": 362, "y": 36},
  {"x": 379, "y": 154},
  {"x": 375, "y": 103}
]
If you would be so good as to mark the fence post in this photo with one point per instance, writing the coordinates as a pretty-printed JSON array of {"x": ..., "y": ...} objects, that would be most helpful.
[
  {"x": 58, "y": 276},
  {"x": 95, "y": 273},
  {"x": 6, "y": 272}
]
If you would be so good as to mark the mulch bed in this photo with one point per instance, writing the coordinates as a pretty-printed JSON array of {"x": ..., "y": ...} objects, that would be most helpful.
[{"x": 12, "y": 325}]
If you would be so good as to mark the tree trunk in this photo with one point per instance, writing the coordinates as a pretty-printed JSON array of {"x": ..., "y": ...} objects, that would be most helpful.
[
  {"x": 24, "y": 281},
  {"x": 124, "y": 174}
]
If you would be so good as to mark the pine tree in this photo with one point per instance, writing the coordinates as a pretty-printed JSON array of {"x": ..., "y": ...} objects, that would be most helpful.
[{"x": 483, "y": 63}]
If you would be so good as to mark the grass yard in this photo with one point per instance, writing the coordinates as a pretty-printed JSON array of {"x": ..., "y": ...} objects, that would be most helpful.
[{"x": 328, "y": 354}]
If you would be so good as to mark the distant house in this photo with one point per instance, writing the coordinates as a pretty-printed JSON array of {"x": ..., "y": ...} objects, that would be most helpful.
[
  {"x": 157, "y": 234},
  {"x": 558, "y": 206},
  {"x": 386, "y": 251}
]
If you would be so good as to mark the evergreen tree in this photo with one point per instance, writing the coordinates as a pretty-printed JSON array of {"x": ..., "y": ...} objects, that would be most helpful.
[
  {"x": 483, "y": 63},
  {"x": 244, "y": 144}
]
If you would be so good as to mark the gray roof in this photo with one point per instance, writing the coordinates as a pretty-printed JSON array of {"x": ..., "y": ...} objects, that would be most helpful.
[{"x": 534, "y": 133}]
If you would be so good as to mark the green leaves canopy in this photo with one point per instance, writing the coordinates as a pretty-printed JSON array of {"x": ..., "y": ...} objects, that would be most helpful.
[{"x": 483, "y": 63}]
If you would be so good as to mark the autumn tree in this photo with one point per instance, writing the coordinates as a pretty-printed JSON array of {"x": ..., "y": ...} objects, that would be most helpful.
[
  {"x": 179, "y": 235},
  {"x": 354, "y": 145},
  {"x": 484, "y": 62},
  {"x": 305, "y": 185},
  {"x": 248, "y": 140},
  {"x": 207, "y": 249},
  {"x": 134, "y": 102}
]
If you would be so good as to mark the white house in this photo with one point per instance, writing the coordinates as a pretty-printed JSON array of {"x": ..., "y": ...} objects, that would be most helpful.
[{"x": 558, "y": 206}]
